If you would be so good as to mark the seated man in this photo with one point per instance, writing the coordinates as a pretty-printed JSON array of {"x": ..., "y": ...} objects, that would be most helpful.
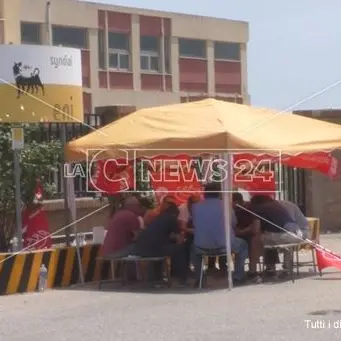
[
  {"x": 278, "y": 228},
  {"x": 297, "y": 215},
  {"x": 161, "y": 239},
  {"x": 151, "y": 214},
  {"x": 248, "y": 228},
  {"x": 186, "y": 226},
  {"x": 210, "y": 236},
  {"x": 122, "y": 228}
]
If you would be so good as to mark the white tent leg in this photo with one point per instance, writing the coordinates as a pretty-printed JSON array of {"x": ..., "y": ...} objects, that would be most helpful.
[
  {"x": 72, "y": 206},
  {"x": 227, "y": 190}
]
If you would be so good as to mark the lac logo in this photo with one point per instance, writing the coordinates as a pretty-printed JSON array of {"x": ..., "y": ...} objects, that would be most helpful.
[{"x": 27, "y": 84}]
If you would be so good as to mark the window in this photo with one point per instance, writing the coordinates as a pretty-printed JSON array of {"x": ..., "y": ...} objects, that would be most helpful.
[
  {"x": 118, "y": 60},
  {"x": 192, "y": 48},
  {"x": 101, "y": 49},
  {"x": 150, "y": 53},
  {"x": 227, "y": 51},
  {"x": 70, "y": 36},
  {"x": 119, "y": 47},
  {"x": 118, "y": 41},
  {"x": 148, "y": 43},
  {"x": 30, "y": 33},
  {"x": 150, "y": 63}
]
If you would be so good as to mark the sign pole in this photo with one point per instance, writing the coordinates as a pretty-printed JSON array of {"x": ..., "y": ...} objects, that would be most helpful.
[
  {"x": 17, "y": 145},
  {"x": 65, "y": 191},
  {"x": 62, "y": 137}
]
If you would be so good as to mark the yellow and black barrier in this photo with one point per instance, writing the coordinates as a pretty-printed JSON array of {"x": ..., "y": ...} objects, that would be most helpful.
[{"x": 19, "y": 273}]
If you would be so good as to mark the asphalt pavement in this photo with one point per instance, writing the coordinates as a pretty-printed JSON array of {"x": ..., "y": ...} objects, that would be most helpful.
[{"x": 271, "y": 311}]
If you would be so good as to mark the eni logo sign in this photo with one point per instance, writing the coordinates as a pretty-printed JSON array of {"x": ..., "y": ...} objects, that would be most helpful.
[
  {"x": 31, "y": 83},
  {"x": 40, "y": 84}
]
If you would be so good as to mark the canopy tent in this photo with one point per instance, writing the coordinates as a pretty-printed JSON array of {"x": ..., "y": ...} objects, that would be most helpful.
[{"x": 206, "y": 125}]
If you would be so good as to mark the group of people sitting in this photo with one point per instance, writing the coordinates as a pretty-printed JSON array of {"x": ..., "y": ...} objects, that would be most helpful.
[{"x": 197, "y": 228}]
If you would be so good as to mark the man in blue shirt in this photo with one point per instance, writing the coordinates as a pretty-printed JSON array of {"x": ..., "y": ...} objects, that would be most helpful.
[{"x": 210, "y": 234}]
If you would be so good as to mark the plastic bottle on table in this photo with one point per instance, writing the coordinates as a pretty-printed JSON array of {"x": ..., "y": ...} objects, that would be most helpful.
[{"x": 42, "y": 278}]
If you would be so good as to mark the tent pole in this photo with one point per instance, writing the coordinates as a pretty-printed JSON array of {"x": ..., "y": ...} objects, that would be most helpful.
[{"x": 227, "y": 190}]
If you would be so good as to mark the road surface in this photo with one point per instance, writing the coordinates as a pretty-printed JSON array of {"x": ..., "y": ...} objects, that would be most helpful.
[{"x": 272, "y": 312}]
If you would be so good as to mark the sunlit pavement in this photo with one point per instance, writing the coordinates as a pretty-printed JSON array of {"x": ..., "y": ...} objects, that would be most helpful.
[{"x": 271, "y": 312}]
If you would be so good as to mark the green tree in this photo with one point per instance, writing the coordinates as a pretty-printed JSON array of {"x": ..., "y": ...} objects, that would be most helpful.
[{"x": 37, "y": 160}]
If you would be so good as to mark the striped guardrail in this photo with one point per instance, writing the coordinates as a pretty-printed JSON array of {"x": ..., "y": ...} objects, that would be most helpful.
[{"x": 19, "y": 273}]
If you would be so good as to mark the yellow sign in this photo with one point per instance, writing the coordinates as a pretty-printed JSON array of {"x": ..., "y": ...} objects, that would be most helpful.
[
  {"x": 17, "y": 138},
  {"x": 40, "y": 84}
]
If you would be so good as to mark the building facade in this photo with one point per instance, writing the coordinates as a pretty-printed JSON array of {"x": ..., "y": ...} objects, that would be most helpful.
[{"x": 134, "y": 58}]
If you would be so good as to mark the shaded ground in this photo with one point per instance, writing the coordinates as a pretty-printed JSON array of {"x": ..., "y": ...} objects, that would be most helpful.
[{"x": 271, "y": 312}]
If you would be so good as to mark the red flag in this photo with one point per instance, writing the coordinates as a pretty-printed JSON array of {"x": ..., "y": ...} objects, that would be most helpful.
[
  {"x": 36, "y": 229},
  {"x": 35, "y": 223},
  {"x": 38, "y": 193},
  {"x": 327, "y": 259}
]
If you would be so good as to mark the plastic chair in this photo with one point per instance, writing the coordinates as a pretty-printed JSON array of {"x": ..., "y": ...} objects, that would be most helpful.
[
  {"x": 204, "y": 261},
  {"x": 314, "y": 236}
]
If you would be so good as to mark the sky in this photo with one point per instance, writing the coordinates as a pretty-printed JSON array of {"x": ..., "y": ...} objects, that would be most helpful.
[{"x": 294, "y": 51}]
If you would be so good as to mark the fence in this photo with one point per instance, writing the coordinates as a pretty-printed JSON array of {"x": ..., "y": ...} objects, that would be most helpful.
[
  {"x": 293, "y": 185},
  {"x": 52, "y": 131}
]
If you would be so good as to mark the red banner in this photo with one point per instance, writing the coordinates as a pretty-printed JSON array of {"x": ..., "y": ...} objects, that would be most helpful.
[
  {"x": 111, "y": 178},
  {"x": 253, "y": 173},
  {"x": 36, "y": 229},
  {"x": 181, "y": 189},
  {"x": 322, "y": 162}
]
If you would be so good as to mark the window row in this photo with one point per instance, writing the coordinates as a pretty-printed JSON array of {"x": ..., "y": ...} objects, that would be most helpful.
[
  {"x": 151, "y": 51},
  {"x": 31, "y": 33},
  {"x": 119, "y": 48}
]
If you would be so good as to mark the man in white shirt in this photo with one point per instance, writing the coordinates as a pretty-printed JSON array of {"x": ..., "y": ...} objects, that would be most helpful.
[{"x": 184, "y": 216}]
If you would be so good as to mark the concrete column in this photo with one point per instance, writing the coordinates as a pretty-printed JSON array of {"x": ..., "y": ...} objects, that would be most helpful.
[
  {"x": 245, "y": 90},
  {"x": 2, "y": 23},
  {"x": 174, "y": 61},
  {"x": 2, "y": 31},
  {"x": 106, "y": 47},
  {"x": 44, "y": 36},
  {"x": 93, "y": 45},
  {"x": 210, "y": 68},
  {"x": 135, "y": 52},
  {"x": 10, "y": 10}
]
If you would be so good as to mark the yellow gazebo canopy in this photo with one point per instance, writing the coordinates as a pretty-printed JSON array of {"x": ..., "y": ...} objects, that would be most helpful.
[{"x": 206, "y": 125}]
